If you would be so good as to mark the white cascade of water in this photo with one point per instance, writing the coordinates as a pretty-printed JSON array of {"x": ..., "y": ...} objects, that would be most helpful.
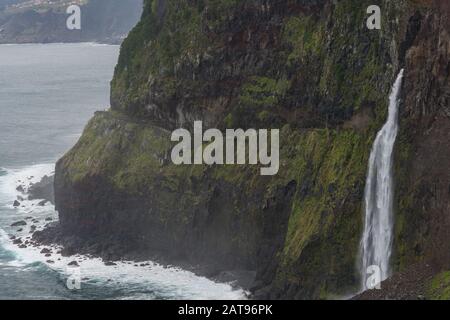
[{"x": 376, "y": 242}]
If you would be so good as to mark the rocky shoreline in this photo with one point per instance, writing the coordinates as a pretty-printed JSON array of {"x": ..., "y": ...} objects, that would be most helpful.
[
  {"x": 47, "y": 237},
  {"x": 111, "y": 253},
  {"x": 42, "y": 190}
]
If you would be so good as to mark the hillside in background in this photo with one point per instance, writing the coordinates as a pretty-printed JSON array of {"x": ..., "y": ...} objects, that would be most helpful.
[{"x": 43, "y": 21}]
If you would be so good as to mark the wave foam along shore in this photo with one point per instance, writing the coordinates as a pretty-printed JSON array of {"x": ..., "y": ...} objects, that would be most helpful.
[
  {"x": 145, "y": 280},
  {"x": 21, "y": 176}
]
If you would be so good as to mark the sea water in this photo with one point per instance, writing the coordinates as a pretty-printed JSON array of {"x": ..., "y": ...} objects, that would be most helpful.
[{"x": 47, "y": 94}]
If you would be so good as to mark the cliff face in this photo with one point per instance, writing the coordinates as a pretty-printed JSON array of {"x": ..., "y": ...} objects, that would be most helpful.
[
  {"x": 310, "y": 68},
  {"x": 106, "y": 21},
  {"x": 423, "y": 176}
]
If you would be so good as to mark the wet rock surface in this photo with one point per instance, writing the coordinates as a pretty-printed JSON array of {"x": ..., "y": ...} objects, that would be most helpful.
[
  {"x": 42, "y": 190},
  {"x": 19, "y": 224},
  {"x": 411, "y": 284}
]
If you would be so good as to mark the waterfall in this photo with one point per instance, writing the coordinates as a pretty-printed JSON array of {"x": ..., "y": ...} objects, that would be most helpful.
[{"x": 376, "y": 242}]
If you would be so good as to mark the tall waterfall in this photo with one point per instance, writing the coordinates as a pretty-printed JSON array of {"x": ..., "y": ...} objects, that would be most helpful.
[{"x": 376, "y": 242}]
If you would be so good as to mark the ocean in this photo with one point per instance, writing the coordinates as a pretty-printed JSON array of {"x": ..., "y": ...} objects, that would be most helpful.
[{"x": 48, "y": 92}]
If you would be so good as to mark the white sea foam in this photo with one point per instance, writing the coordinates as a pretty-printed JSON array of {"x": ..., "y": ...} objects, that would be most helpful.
[
  {"x": 167, "y": 282},
  {"x": 22, "y": 176},
  {"x": 132, "y": 280}
]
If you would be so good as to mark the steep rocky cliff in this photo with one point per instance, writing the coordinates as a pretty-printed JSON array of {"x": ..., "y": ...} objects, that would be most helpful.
[{"x": 309, "y": 68}]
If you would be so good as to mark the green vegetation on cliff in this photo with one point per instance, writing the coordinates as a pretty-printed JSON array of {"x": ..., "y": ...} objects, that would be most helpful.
[
  {"x": 311, "y": 69},
  {"x": 302, "y": 73},
  {"x": 439, "y": 288}
]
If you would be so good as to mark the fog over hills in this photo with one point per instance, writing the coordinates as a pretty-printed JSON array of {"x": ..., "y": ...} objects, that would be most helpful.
[{"x": 44, "y": 21}]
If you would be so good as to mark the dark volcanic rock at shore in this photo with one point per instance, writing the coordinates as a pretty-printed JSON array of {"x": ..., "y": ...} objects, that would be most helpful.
[
  {"x": 43, "y": 189},
  {"x": 19, "y": 224}
]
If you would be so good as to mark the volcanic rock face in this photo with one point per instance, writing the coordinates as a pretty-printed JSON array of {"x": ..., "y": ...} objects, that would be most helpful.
[
  {"x": 310, "y": 68},
  {"x": 423, "y": 195},
  {"x": 43, "y": 189}
]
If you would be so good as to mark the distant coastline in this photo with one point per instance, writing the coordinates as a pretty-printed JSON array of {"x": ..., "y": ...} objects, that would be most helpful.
[{"x": 103, "y": 21}]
